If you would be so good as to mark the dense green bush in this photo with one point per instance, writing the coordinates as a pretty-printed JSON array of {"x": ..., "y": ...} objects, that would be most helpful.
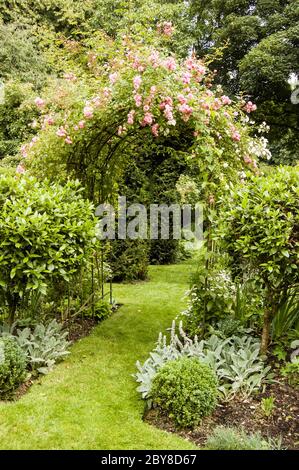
[
  {"x": 102, "y": 310},
  {"x": 129, "y": 260},
  {"x": 12, "y": 366},
  {"x": 46, "y": 232},
  {"x": 260, "y": 231},
  {"x": 17, "y": 113},
  {"x": 215, "y": 296},
  {"x": 186, "y": 389},
  {"x": 224, "y": 438}
]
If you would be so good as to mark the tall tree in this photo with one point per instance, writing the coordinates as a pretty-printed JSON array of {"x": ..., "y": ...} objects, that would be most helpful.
[{"x": 260, "y": 52}]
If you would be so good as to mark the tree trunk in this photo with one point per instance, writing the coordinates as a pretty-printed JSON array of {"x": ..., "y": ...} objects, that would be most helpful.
[
  {"x": 12, "y": 308},
  {"x": 266, "y": 331}
]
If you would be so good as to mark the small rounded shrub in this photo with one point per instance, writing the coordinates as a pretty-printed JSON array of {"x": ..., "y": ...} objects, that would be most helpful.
[
  {"x": 12, "y": 366},
  {"x": 186, "y": 389}
]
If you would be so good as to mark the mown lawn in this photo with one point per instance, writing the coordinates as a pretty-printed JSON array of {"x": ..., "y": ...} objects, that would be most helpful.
[{"x": 90, "y": 401}]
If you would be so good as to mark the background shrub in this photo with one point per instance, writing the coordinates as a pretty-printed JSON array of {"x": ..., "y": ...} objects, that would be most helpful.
[
  {"x": 12, "y": 366},
  {"x": 128, "y": 260},
  {"x": 186, "y": 389}
]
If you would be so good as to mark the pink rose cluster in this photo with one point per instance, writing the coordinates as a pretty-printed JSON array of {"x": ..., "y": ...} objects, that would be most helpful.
[
  {"x": 137, "y": 80},
  {"x": 250, "y": 107},
  {"x": 39, "y": 102},
  {"x": 61, "y": 132},
  {"x": 167, "y": 107},
  {"x": 196, "y": 67},
  {"x": 21, "y": 169}
]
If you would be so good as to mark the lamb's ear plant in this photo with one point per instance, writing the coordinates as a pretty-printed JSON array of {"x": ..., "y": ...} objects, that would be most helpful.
[
  {"x": 43, "y": 346},
  {"x": 236, "y": 361},
  {"x": 224, "y": 438}
]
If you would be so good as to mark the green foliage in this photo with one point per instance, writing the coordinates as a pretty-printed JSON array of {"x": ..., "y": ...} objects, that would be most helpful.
[
  {"x": 291, "y": 372},
  {"x": 235, "y": 360},
  {"x": 258, "y": 52},
  {"x": 260, "y": 231},
  {"x": 216, "y": 299},
  {"x": 102, "y": 310},
  {"x": 20, "y": 57},
  {"x": 287, "y": 317},
  {"x": 186, "y": 389},
  {"x": 224, "y": 438},
  {"x": 12, "y": 366},
  {"x": 229, "y": 327},
  {"x": 268, "y": 406},
  {"x": 17, "y": 112},
  {"x": 291, "y": 369},
  {"x": 129, "y": 260},
  {"x": 43, "y": 346},
  {"x": 46, "y": 232}
]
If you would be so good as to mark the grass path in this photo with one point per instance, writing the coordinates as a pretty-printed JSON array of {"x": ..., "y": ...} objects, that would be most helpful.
[{"x": 90, "y": 401}]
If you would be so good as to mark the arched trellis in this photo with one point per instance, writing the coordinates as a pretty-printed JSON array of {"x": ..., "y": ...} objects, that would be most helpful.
[{"x": 146, "y": 98}]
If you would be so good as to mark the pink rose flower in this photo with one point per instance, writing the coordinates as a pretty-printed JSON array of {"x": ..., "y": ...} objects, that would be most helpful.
[
  {"x": 20, "y": 169},
  {"x": 170, "y": 63},
  {"x": 88, "y": 112},
  {"x": 247, "y": 160},
  {"x": 155, "y": 129},
  {"x": 96, "y": 101},
  {"x": 68, "y": 140},
  {"x": 49, "y": 121},
  {"x": 186, "y": 110},
  {"x": 113, "y": 78},
  {"x": 138, "y": 100},
  {"x": 155, "y": 59},
  {"x": 182, "y": 99},
  {"x": 39, "y": 102},
  {"x": 24, "y": 151},
  {"x": 217, "y": 104},
  {"x": 186, "y": 77},
  {"x": 165, "y": 28},
  {"x": 137, "y": 82},
  {"x": 61, "y": 132},
  {"x": 236, "y": 136},
  {"x": 226, "y": 100},
  {"x": 131, "y": 117},
  {"x": 81, "y": 124},
  {"x": 147, "y": 119}
]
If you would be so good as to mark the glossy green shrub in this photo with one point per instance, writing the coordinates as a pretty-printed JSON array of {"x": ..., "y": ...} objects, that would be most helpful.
[
  {"x": 47, "y": 232},
  {"x": 186, "y": 389},
  {"x": 260, "y": 230},
  {"x": 12, "y": 366}
]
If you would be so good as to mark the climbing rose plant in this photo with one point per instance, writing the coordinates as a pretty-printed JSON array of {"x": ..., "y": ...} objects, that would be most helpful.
[{"x": 143, "y": 97}]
